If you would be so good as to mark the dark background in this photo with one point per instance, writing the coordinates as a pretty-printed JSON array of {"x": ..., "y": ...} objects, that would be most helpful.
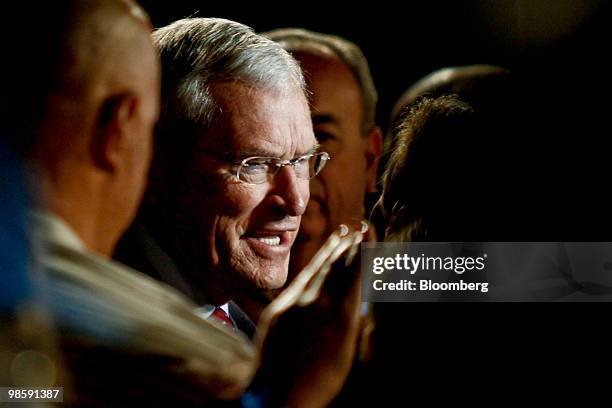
[
  {"x": 405, "y": 40},
  {"x": 558, "y": 49}
]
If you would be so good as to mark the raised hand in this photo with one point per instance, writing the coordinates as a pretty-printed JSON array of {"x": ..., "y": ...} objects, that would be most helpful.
[{"x": 307, "y": 336}]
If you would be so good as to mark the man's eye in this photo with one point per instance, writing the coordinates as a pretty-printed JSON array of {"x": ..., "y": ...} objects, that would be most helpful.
[
  {"x": 323, "y": 136},
  {"x": 257, "y": 167}
]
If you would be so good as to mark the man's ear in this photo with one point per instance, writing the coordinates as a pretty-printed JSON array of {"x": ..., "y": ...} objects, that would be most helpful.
[
  {"x": 373, "y": 141},
  {"x": 113, "y": 131}
]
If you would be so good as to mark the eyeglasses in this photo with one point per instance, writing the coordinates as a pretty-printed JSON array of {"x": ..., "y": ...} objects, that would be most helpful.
[{"x": 258, "y": 170}]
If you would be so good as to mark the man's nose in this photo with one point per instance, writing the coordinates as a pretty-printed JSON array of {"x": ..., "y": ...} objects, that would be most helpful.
[{"x": 290, "y": 193}]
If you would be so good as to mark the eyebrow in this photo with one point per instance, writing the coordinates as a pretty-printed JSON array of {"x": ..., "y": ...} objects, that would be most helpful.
[
  {"x": 243, "y": 154},
  {"x": 316, "y": 146}
]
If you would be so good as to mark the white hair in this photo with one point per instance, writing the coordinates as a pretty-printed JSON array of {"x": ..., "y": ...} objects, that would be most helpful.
[{"x": 199, "y": 52}]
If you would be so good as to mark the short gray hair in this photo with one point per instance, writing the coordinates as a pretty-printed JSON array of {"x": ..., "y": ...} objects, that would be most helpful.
[
  {"x": 297, "y": 40},
  {"x": 199, "y": 52}
]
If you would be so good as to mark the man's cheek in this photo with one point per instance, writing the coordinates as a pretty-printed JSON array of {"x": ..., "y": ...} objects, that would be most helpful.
[{"x": 239, "y": 202}]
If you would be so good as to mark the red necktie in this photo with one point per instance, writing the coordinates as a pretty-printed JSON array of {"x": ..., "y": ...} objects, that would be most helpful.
[{"x": 223, "y": 318}]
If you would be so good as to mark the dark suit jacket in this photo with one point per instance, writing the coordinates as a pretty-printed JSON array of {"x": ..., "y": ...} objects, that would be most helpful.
[{"x": 138, "y": 249}]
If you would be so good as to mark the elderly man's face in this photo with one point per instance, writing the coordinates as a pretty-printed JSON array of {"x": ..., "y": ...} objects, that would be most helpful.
[
  {"x": 240, "y": 234},
  {"x": 338, "y": 193}
]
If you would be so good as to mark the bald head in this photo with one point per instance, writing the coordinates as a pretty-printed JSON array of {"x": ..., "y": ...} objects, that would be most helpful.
[
  {"x": 66, "y": 50},
  {"x": 104, "y": 41},
  {"x": 82, "y": 100}
]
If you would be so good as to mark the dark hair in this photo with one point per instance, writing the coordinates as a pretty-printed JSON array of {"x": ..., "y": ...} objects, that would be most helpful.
[
  {"x": 477, "y": 85},
  {"x": 454, "y": 175}
]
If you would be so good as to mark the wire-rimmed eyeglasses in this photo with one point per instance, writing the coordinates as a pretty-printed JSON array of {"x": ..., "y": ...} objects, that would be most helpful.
[{"x": 258, "y": 170}]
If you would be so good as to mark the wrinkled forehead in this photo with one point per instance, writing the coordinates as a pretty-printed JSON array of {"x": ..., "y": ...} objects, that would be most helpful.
[{"x": 260, "y": 122}]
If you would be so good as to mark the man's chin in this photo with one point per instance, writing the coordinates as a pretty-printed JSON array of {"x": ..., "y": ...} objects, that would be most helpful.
[
  {"x": 272, "y": 284},
  {"x": 273, "y": 277}
]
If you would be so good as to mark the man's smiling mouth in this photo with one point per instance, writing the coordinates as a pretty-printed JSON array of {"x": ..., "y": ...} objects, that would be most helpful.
[{"x": 272, "y": 241}]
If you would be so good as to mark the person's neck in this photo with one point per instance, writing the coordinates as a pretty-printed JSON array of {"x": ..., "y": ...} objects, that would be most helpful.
[
  {"x": 77, "y": 200},
  {"x": 254, "y": 303}
]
